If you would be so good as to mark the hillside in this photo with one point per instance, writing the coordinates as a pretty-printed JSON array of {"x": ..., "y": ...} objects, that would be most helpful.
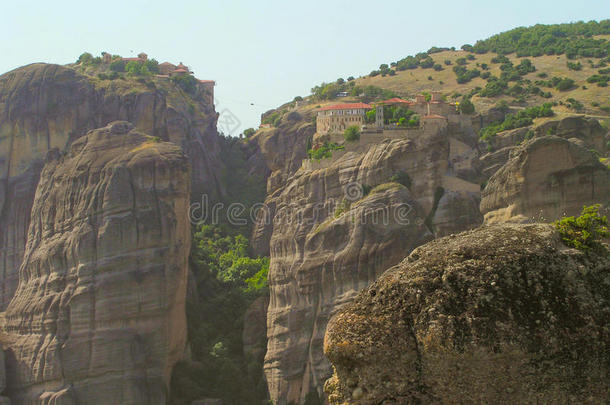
[{"x": 573, "y": 75}]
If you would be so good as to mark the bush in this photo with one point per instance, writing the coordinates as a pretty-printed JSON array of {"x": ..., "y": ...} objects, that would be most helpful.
[
  {"x": 494, "y": 87},
  {"x": 117, "y": 65},
  {"x": 525, "y": 67},
  {"x": 466, "y": 106},
  {"x": 521, "y": 119},
  {"x": 324, "y": 151},
  {"x": 565, "y": 84},
  {"x": 574, "y": 104},
  {"x": 574, "y": 66},
  {"x": 464, "y": 75},
  {"x": 85, "y": 58},
  {"x": 438, "y": 67},
  {"x": 352, "y": 133},
  {"x": 586, "y": 231},
  {"x": 186, "y": 82},
  {"x": 249, "y": 132},
  {"x": 401, "y": 178},
  {"x": 447, "y": 62}
]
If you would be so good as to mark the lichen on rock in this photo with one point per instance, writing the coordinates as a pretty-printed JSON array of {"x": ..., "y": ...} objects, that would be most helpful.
[{"x": 501, "y": 314}]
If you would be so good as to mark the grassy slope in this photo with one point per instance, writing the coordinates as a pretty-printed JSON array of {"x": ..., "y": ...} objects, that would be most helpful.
[{"x": 411, "y": 82}]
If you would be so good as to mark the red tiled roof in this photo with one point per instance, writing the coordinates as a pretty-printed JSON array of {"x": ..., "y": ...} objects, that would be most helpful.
[
  {"x": 181, "y": 71},
  {"x": 432, "y": 116},
  {"x": 345, "y": 106},
  {"x": 131, "y": 59},
  {"x": 166, "y": 64},
  {"x": 181, "y": 66},
  {"x": 207, "y": 81},
  {"x": 395, "y": 100}
]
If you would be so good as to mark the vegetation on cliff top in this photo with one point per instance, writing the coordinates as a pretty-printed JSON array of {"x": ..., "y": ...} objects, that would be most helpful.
[
  {"x": 520, "y": 119},
  {"x": 586, "y": 231}
]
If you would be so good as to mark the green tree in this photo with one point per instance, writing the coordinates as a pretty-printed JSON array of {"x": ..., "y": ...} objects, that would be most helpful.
[
  {"x": 586, "y": 231},
  {"x": 86, "y": 58},
  {"x": 117, "y": 65},
  {"x": 352, "y": 133},
  {"x": 133, "y": 68},
  {"x": 466, "y": 106}
]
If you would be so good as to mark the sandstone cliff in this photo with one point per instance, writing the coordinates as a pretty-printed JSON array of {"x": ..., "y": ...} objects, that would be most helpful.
[
  {"x": 98, "y": 317},
  {"x": 46, "y": 106},
  {"x": 545, "y": 179},
  {"x": 281, "y": 150},
  {"x": 587, "y": 131},
  {"x": 331, "y": 237},
  {"x": 502, "y": 314}
]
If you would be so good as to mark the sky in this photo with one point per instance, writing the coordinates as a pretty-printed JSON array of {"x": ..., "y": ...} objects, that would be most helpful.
[{"x": 264, "y": 53}]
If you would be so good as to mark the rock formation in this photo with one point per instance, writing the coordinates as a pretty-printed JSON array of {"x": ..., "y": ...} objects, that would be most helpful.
[
  {"x": 545, "y": 178},
  {"x": 502, "y": 314},
  {"x": 282, "y": 150},
  {"x": 45, "y": 106},
  {"x": 99, "y": 317},
  {"x": 331, "y": 237}
]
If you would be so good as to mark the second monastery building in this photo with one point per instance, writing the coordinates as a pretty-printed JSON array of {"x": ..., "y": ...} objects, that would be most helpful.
[{"x": 338, "y": 117}]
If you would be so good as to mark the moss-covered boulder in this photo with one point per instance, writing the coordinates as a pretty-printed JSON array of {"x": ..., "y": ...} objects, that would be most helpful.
[{"x": 501, "y": 314}]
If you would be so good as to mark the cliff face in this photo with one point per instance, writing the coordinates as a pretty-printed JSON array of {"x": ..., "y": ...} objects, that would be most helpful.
[
  {"x": 49, "y": 106},
  {"x": 545, "y": 179},
  {"x": 99, "y": 316},
  {"x": 501, "y": 314},
  {"x": 332, "y": 237},
  {"x": 585, "y": 131},
  {"x": 282, "y": 150}
]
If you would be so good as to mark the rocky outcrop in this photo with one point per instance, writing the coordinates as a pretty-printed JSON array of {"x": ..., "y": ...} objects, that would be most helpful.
[
  {"x": 332, "y": 237},
  {"x": 45, "y": 106},
  {"x": 502, "y": 314},
  {"x": 585, "y": 131},
  {"x": 99, "y": 317},
  {"x": 282, "y": 150},
  {"x": 545, "y": 179}
]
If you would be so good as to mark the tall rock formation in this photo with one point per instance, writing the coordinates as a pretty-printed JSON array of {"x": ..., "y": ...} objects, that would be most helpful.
[
  {"x": 45, "y": 106},
  {"x": 99, "y": 317},
  {"x": 503, "y": 314},
  {"x": 339, "y": 223}
]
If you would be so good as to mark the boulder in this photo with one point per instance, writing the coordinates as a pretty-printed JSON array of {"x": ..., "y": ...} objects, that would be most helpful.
[{"x": 502, "y": 314}]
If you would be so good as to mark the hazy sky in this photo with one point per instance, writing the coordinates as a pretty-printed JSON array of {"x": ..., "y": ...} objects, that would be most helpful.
[{"x": 263, "y": 53}]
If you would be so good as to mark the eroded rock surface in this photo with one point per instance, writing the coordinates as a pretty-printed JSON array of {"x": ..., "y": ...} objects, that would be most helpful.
[
  {"x": 546, "y": 178},
  {"x": 502, "y": 314},
  {"x": 98, "y": 317},
  {"x": 44, "y": 106},
  {"x": 330, "y": 239}
]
